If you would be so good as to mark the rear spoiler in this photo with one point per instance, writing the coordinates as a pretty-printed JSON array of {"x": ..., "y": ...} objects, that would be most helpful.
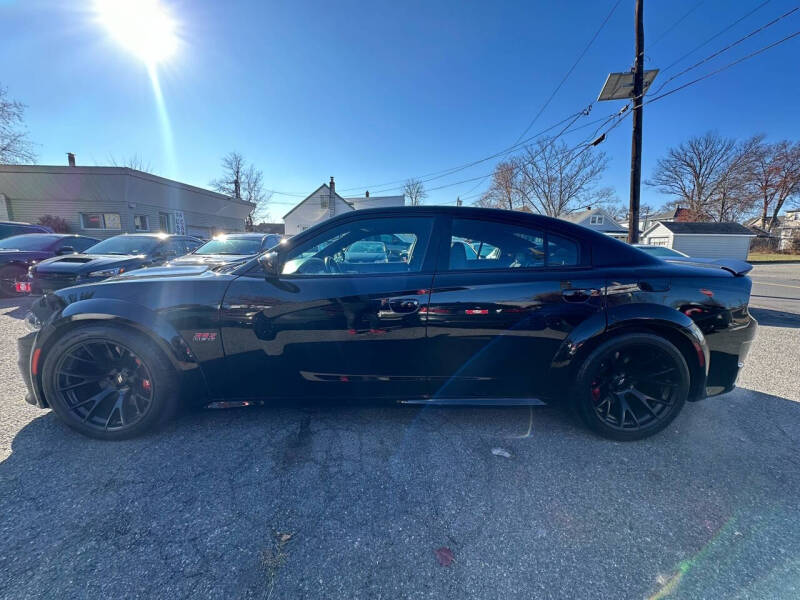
[{"x": 737, "y": 268}]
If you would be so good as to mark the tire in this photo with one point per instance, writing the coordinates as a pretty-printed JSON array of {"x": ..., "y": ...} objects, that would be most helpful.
[
  {"x": 8, "y": 278},
  {"x": 109, "y": 382},
  {"x": 631, "y": 387}
]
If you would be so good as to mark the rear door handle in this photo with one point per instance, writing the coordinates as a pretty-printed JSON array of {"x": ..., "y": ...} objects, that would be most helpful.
[{"x": 579, "y": 294}]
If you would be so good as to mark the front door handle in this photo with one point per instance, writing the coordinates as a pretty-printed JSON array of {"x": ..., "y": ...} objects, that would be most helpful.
[
  {"x": 397, "y": 307},
  {"x": 579, "y": 294}
]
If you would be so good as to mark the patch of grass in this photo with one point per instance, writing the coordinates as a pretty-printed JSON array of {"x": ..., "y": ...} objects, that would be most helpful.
[{"x": 763, "y": 257}]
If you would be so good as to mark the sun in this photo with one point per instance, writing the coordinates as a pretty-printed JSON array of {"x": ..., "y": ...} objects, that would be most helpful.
[{"x": 143, "y": 27}]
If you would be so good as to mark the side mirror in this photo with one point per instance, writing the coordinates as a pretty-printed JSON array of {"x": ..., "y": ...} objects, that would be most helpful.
[
  {"x": 269, "y": 262},
  {"x": 66, "y": 250}
]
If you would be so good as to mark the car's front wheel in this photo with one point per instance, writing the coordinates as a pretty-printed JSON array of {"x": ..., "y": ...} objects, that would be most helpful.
[
  {"x": 109, "y": 382},
  {"x": 631, "y": 386}
]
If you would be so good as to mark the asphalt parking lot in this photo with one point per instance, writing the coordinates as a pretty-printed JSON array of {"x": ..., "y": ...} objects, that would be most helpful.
[{"x": 355, "y": 502}]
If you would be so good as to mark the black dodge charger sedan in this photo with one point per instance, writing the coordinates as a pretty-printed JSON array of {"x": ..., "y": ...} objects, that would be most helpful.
[
  {"x": 546, "y": 311},
  {"x": 19, "y": 252},
  {"x": 110, "y": 257}
]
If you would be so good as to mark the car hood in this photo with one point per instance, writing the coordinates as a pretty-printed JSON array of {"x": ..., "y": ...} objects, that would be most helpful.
[
  {"x": 7, "y": 256},
  {"x": 164, "y": 272},
  {"x": 86, "y": 263},
  {"x": 210, "y": 259}
]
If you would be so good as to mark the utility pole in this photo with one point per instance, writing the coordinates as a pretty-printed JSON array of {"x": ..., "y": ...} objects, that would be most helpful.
[{"x": 636, "y": 142}]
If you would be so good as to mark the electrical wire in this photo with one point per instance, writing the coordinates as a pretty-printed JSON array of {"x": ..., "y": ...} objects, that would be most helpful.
[
  {"x": 669, "y": 29},
  {"x": 715, "y": 36},
  {"x": 571, "y": 69}
]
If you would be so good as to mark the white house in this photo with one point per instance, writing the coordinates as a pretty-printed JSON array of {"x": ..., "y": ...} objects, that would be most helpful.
[
  {"x": 701, "y": 240},
  {"x": 600, "y": 220},
  {"x": 324, "y": 203}
]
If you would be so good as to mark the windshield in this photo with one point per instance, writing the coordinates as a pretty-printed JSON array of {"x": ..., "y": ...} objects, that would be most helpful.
[
  {"x": 124, "y": 244},
  {"x": 31, "y": 241},
  {"x": 227, "y": 245},
  {"x": 373, "y": 247}
]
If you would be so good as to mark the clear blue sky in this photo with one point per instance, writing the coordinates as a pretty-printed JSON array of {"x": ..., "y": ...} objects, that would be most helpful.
[{"x": 378, "y": 91}]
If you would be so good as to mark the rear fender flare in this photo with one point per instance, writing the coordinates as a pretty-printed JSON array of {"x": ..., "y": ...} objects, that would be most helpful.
[{"x": 631, "y": 317}]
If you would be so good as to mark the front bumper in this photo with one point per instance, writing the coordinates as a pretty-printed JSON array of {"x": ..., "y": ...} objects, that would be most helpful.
[{"x": 24, "y": 349}]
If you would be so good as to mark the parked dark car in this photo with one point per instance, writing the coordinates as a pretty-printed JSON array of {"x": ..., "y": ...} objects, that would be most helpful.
[
  {"x": 661, "y": 252},
  {"x": 558, "y": 314},
  {"x": 229, "y": 248},
  {"x": 19, "y": 252},
  {"x": 365, "y": 251},
  {"x": 110, "y": 257},
  {"x": 9, "y": 228}
]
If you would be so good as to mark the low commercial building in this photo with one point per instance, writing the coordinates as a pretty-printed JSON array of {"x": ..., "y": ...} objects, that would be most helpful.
[
  {"x": 701, "y": 240},
  {"x": 324, "y": 203},
  {"x": 105, "y": 201}
]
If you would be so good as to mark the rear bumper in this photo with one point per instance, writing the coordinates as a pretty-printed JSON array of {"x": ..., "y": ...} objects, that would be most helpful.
[{"x": 728, "y": 354}]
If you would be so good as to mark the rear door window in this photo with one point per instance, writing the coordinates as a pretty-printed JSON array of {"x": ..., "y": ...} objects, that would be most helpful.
[{"x": 494, "y": 245}]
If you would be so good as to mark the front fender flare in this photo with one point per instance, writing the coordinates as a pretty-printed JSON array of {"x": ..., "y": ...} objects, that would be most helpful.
[{"x": 130, "y": 314}]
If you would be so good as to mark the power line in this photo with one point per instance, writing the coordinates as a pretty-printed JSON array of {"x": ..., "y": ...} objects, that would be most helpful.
[
  {"x": 571, "y": 69},
  {"x": 669, "y": 29},
  {"x": 716, "y": 35},
  {"x": 724, "y": 67},
  {"x": 726, "y": 48}
]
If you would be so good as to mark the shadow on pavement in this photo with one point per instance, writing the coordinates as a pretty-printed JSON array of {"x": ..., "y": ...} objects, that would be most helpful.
[
  {"x": 367, "y": 494},
  {"x": 19, "y": 306},
  {"x": 775, "y": 318}
]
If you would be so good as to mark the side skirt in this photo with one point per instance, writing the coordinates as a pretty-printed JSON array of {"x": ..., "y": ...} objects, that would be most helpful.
[{"x": 476, "y": 401}]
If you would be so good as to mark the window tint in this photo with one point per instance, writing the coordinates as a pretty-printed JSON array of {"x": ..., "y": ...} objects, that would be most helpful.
[
  {"x": 561, "y": 252},
  {"x": 78, "y": 243},
  {"x": 489, "y": 245},
  {"x": 358, "y": 247},
  {"x": 478, "y": 244}
]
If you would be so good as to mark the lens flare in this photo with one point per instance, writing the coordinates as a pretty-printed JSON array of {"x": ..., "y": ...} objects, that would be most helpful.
[{"x": 143, "y": 27}]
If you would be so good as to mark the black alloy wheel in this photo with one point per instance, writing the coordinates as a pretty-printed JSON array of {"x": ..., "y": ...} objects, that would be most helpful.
[
  {"x": 109, "y": 382},
  {"x": 105, "y": 384},
  {"x": 632, "y": 386}
]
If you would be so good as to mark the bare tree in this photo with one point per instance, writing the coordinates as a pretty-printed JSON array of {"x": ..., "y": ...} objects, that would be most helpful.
[
  {"x": 775, "y": 178},
  {"x": 414, "y": 189},
  {"x": 242, "y": 181},
  {"x": 134, "y": 161},
  {"x": 555, "y": 180},
  {"x": 503, "y": 192},
  {"x": 15, "y": 148},
  {"x": 708, "y": 176}
]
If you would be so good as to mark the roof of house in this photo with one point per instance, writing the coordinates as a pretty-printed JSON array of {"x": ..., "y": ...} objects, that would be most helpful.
[
  {"x": 609, "y": 223},
  {"x": 689, "y": 227},
  {"x": 50, "y": 181},
  {"x": 355, "y": 203}
]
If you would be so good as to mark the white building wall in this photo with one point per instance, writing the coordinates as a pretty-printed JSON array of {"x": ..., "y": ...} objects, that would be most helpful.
[
  {"x": 313, "y": 210},
  {"x": 713, "y": 246}
]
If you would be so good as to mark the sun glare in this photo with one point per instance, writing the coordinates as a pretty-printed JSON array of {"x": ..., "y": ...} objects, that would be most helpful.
[{"x": 143, "y": 27}]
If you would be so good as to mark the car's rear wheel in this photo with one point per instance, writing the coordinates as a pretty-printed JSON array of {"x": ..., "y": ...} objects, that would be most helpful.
[
  {"x": 9, "y": 275},
  {"x": 631, "y": 386},
  {"x": 109, "y": 382}
]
